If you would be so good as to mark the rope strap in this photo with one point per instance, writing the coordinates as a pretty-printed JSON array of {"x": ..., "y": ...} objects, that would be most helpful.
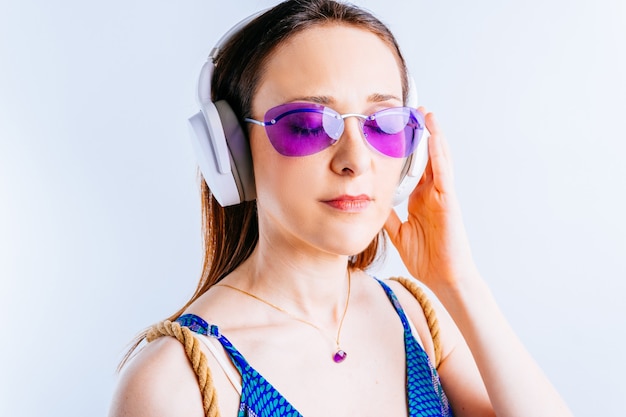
[
  {"x": 196, "y": 358},
  {"x": 203, "y": 373},
  {"x": 429, "y": 312}
]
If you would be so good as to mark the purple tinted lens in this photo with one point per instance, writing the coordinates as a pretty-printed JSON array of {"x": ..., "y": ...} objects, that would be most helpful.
[
  {"x": 299, "y": 129},
  {"x": 394, "y": 132}
]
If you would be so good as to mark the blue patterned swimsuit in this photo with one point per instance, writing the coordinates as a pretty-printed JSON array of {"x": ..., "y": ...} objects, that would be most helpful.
[{"x": 260, "y": 399}]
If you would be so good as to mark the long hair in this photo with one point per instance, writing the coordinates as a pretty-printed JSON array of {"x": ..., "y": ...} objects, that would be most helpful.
[{"x": 231, "y": 233}]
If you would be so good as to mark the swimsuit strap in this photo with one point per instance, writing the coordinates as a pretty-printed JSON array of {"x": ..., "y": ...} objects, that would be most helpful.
[
  {"x": 429, "y": 312},
  {"x": 424, "y": 390},
  {"x": 198, "y": 325},
  {"x": 257, "y": 394},
  {"x": 396, "y": 304}
]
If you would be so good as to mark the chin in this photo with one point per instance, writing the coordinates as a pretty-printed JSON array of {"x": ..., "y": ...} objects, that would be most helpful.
[{"x": 348, "y": 245}]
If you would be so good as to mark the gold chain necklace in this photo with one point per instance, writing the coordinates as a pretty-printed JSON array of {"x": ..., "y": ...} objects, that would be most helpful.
[{"x": 340, "y": 354}]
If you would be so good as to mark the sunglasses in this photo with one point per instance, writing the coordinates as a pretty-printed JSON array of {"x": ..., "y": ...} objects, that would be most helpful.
[{"x": 300, "y": 129}]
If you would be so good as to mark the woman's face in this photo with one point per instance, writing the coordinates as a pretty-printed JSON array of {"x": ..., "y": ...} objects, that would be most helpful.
[{"x": 334, "y": 201}]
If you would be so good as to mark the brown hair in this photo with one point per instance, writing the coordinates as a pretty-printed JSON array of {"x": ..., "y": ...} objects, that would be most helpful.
[{"x": 231, "y": 233}]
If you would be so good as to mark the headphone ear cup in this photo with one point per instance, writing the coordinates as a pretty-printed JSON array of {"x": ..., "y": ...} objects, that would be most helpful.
[
  {"x": 416, "y": 162},
  {"x": 413, "y": 170},
  {"x": 225, "y": 166},
  {"x": 239, "y": 150}
]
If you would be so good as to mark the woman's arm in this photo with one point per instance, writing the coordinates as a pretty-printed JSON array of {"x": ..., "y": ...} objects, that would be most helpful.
[{"x": 434, "y": 247}]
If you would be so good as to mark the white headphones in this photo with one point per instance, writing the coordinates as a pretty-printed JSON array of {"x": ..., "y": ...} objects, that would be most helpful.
[{"x": 223, "y": 152}]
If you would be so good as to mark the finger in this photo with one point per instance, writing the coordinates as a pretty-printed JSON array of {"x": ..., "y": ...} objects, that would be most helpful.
[
  {"x": 428, "y": 172},
  {"x": 439, "y": 155},
  {"x": 427, "y": 178},
  {"x": 393, "y": 226},
  {"x": 433, "y": 125}
]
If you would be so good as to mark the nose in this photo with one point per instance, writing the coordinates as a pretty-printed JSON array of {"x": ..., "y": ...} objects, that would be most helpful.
[{"x": 352, "y": 155}]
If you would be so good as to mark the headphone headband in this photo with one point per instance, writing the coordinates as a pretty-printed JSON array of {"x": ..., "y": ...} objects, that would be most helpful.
[{"x": 206, "y": 74}]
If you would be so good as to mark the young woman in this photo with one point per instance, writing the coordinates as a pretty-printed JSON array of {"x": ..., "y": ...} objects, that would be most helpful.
[{"x": 285, "y": 320}]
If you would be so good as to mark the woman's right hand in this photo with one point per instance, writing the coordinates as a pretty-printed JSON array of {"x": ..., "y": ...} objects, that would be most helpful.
[{"x": 432, "y": 242}]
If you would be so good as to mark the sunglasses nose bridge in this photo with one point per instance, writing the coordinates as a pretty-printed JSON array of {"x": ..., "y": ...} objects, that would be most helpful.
[
  {"x": 357, "y": 133},
  {"x": 361, "y": 119}
]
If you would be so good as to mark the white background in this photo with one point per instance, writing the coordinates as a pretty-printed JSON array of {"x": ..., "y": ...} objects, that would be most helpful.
[{"x": 99, "y": 210}]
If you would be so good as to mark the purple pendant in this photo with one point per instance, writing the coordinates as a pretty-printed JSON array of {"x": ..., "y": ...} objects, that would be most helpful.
[{"x": 340, "y": 356}]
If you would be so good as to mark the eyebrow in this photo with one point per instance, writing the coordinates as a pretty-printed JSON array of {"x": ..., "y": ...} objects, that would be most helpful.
[
  {"x": 326, "y": 100},
  {"x": 377, "y": 98}
]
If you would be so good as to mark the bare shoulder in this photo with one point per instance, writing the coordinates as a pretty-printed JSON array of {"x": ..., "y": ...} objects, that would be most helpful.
[{"x": 158, "y": 382}]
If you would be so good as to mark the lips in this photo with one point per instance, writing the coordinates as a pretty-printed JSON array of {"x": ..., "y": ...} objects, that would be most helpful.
[{"x": 350, "y": 203}]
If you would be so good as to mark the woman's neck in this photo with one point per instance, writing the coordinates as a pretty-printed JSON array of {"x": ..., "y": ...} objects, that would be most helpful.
[{"x": 312, "y": 285}]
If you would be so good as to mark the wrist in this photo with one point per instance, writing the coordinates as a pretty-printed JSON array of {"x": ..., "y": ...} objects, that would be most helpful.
[{"x": 463, "y": 289}]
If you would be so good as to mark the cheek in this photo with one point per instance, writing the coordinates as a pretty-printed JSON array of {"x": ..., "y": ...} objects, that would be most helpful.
[
  {"x": 261, "y": 158},
  {"x": 389, "y": 178},
  {"x": 275, "y": 175}
]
